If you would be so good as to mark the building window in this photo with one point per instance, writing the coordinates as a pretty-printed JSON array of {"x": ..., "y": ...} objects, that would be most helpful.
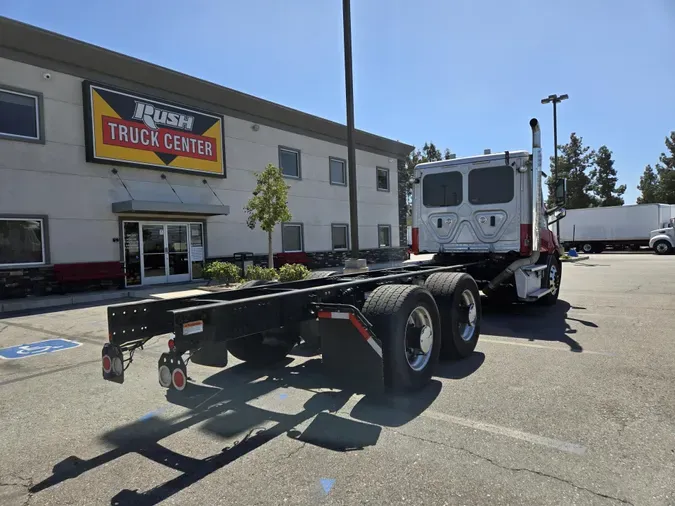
[
  {"x": 338, "y": 171},
  {"x": 289, "y": 162},
  {"x": 384, "y": 236},
  {"x": 20, "y": 115},
  {"x": 22, "y": 242},
  {"x": 382, "y": 179},
  {"x": 291, "y": 237},
  {"x": 340, "y": 236}
]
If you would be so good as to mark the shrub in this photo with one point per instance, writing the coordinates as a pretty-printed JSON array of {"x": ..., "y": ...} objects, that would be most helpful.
[
  {"x": 263, "y": 273},
  {"x": 222, "y": 272},
  {"x": 292, "y": 272}
]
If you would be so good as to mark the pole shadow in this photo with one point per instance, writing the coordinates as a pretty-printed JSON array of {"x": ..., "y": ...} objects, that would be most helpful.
[{"x": 220, "y": 406}]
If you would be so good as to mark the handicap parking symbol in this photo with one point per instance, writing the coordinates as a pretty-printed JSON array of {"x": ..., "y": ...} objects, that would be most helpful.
[{"x": 37, "y": 348}]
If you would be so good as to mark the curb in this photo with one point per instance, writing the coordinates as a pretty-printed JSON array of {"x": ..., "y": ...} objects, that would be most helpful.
[
  {"x": 574, "y": 259},
  {"x": 59, "y": 301}
]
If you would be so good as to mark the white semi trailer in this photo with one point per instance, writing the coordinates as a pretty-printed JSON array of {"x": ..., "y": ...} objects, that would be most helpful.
[{"x": 595, "y": 229}]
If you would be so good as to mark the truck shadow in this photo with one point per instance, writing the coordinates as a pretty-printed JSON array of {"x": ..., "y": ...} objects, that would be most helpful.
[
  {"x": 221, "y": 406},
  {"x": 534, "y": 323}
]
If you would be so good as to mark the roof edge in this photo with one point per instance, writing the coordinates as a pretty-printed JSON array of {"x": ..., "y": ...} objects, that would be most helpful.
[{"x": 32, "y": 40}]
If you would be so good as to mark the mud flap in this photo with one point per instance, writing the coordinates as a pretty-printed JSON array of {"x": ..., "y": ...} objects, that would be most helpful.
[{"x": 352, "y": 354}]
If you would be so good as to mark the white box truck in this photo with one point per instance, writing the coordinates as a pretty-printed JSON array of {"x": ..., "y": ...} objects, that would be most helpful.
[{"x": 595, "y": 229}]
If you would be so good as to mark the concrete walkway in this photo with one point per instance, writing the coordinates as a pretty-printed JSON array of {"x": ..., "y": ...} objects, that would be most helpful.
[{"x": 155, "y": 292}]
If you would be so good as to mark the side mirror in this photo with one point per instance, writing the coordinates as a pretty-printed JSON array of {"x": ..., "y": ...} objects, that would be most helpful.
[{"x": 560, "y": 192}]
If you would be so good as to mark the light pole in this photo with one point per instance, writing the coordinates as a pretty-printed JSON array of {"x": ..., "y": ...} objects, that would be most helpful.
[
  {"x": 353, "y": 263},
  {"x": 555, "y": 99}
]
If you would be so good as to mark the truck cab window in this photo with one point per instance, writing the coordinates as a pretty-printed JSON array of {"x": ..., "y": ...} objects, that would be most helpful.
[
  {"x": 491, "y": 185},
  {"x": 442, "y": 190}
]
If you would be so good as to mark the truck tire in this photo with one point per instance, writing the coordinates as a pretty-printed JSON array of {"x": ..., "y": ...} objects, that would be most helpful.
[
  {"x": 586, "y": 247},
  {"x": 320, "y": 274},
  {"x": 264, "y": 349},
  {"x": 662, "y": 247},
  {"x": 406, "y": 319},
  {"x": 553, "y": 275},
  {"x": 454, "y": 293}
]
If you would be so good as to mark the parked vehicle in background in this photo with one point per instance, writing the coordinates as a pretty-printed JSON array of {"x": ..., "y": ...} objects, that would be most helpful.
[
  {"x": 596, "y": 229},
  {"x": 662, "y": 240},
  {"x": 489, "y": 208}
]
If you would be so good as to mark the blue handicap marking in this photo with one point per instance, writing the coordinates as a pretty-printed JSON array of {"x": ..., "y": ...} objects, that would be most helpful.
[
  {"x": 327, "y": 484},
  {"x": 37, "y": 348},
  {"x": 283, "y": 396}
]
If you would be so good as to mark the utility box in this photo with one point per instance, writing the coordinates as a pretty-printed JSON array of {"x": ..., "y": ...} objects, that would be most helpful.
[{"x": 244, "y": 259}]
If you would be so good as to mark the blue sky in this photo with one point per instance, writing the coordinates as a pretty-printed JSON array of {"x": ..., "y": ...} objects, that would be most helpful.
[{"x": 466, "y": 74}]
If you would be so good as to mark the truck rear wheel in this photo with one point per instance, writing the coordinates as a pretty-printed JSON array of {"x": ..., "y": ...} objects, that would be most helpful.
[
  {"x": 405, "y": 318},
  {"x": 553, "y": 279},
  {"x": 265, "y": 348},
  {"x": 662, "y": 247},
  {"x": 459, "y": 304}
]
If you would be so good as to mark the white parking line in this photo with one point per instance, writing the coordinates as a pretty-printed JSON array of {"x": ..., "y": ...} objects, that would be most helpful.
[
  {"x": 563, "y": 446},
  {"x": 552, "y": 348}
]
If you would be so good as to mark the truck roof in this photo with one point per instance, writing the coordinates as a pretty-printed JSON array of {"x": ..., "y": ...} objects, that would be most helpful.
[{"x": 472, "y": 159}]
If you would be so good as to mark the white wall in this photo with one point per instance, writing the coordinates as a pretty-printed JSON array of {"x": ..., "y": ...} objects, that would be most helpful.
[{"x": 54, "y": 179}]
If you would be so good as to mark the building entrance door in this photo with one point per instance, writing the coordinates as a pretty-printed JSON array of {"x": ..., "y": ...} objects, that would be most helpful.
[{"x": 164, "y": 253}]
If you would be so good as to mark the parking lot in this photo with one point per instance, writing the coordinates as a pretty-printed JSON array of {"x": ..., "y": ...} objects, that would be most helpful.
[{"x": 567, "y": 405}]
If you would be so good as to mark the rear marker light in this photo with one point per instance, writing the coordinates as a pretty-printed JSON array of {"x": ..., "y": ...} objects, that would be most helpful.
[
  {"x": 117, "y": 366},
  {"x": 107, "y": 364},
  {"x": 178, "y": 379},
  {"x": 171, "y": 344},
  {"x": 164, "y": 377}
]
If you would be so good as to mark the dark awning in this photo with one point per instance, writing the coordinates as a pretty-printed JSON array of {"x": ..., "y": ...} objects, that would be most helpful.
[{"x": 149, "y": 206}]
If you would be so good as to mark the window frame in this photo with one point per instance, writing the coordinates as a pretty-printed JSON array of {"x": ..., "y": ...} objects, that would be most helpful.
[
  {"x": 44, "y": 230},
  {"x": 332, "y": 244},
  {"x": 378, "y": 236},
  {"x": 388, "y": 172},
  {"x": 299, "y": 155},
  {"x": 39, "y": 115},
  {"x": 302, "y": 236},
  {"x": 332, "y": 159}
]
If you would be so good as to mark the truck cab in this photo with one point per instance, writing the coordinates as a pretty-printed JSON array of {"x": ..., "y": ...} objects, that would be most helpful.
[
  {"x": 489, "y": 209},
  {"x": 477, "y": 205},
  {"x": 662, "y": 240}
]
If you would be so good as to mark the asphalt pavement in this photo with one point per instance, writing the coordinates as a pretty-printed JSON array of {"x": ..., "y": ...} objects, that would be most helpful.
[{"x": 567, "y": 405}]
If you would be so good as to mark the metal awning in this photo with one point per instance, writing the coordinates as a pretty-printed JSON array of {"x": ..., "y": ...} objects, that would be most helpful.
[{"x": 149, "y": 206}]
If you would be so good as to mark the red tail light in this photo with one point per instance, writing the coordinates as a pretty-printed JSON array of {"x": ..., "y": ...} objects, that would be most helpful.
[{"x": 415, "y": 241}]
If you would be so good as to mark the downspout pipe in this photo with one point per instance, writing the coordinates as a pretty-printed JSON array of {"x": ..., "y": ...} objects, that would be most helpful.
[{"x": 536, "y": 213}]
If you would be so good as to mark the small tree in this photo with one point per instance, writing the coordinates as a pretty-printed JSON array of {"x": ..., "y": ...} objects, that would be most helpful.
[{"x": 269, "y": 204}]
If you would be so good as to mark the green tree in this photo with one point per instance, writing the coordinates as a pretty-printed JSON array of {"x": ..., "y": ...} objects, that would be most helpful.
[
  {"x": 649, "y": 187},
  {"x": 429, "y": 153},
  {"x": 658, "y": 185},
  {"x": 574, "y": 160},
  {"x": 604, "y": 180},
  {"x": 269, "y": 204}
]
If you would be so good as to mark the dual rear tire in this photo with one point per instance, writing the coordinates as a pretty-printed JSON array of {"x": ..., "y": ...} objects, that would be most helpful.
[{"x": 420, "y": 325}]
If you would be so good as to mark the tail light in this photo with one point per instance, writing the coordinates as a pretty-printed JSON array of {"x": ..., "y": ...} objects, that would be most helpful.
[
  {"x": 415, "y": 241},
  {"x": 172, "y": 371},
  {"x": 112, "y": 363}
]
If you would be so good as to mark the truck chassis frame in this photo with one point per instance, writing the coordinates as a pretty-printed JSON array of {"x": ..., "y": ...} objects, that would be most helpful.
[{"x": 349, "y": 345}]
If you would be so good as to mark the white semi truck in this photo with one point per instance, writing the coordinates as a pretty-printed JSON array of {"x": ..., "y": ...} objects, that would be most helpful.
[{"x": 595, "y": 229}]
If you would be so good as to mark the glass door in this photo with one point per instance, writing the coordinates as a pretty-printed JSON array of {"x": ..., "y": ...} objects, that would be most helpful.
[
  {"x": 177, "y": 252},
  {"x": 154, "y": 261}
]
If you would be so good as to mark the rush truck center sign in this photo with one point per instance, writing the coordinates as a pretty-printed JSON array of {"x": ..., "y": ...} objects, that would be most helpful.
[{"x": 128, "y": 129}]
